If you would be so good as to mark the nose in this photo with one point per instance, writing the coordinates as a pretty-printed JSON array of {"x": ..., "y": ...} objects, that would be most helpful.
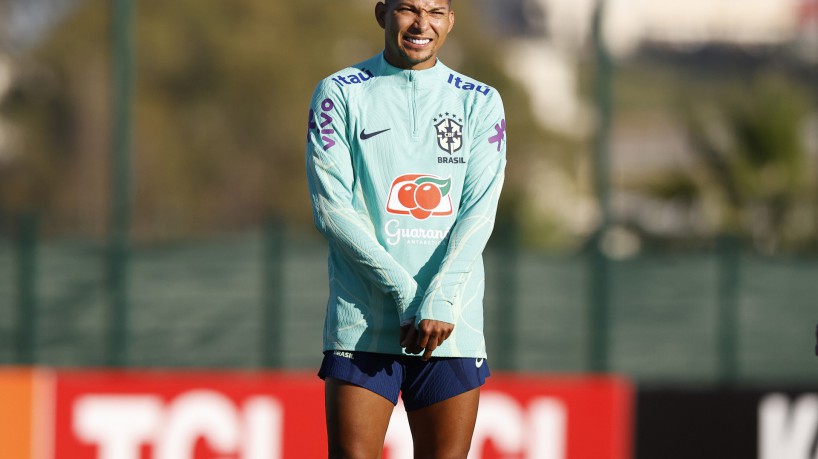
[{"x": 422, "y": 20}]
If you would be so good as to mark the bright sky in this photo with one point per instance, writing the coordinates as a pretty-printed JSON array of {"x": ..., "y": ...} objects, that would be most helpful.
[
  {"x": 29, "y": 19},
  {"x": 683, "y": 22},
  {"x": 700, "y": 21}
]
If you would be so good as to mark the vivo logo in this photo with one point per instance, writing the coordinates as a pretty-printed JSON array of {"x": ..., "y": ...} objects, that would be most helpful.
[{"x": 327, "y": 105}]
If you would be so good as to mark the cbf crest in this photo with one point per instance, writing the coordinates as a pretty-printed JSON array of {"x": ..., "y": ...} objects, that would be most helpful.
[{"x": 449, "y": 132}]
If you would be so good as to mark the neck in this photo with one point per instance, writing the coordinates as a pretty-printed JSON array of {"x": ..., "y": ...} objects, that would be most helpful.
[{"x": 397, "y": 63}]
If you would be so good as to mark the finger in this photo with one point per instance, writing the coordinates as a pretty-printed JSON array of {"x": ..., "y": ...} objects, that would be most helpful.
[
  {"x": 411, "y": 343},
  {"x": 427, "y": 354},
  {"x": 405, "y": 328},
  {"x": 410, "y": 338},
  {"x": 424, "y": 339}
]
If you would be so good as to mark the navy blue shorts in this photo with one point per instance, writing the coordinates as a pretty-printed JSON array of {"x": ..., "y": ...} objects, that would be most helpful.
[{"x": 421, "y": 383}]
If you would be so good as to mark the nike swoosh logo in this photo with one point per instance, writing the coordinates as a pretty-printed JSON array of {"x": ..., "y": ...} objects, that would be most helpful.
[
  {"x": 478, "y": 363},
  {"x": 365, "y": 136}
]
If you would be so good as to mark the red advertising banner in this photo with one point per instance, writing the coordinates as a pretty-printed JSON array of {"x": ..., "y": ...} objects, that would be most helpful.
[
  {"x": 153, "y": 415},
  {"x": 547, "y": 417},
  {"x": 269, "y": 415}
]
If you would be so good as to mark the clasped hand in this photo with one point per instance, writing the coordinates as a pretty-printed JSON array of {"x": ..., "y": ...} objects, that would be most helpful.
[{"x": 426, "y": 337}]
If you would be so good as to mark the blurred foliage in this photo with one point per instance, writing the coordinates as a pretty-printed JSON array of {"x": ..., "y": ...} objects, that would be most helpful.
[
  {"x": 767, "y": 186},
  {"x": 222, "y": 90},
  {"x": 752, "y": 175},
  {"x": 221, "y": 98}
]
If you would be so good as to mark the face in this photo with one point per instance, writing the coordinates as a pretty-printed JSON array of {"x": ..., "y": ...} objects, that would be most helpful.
[{"x": 414, "y": 31}]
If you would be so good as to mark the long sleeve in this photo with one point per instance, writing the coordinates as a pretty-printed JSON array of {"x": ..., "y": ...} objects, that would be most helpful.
[
  {"x": 475, "y": 219},
  {"x": 331, "y": 178}
]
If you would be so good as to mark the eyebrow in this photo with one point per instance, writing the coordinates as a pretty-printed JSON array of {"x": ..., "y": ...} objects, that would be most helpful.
[{"x": 413, "y": 7}]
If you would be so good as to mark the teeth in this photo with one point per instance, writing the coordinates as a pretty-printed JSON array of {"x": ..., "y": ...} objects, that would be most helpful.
[{"x": 419, "y": 41}]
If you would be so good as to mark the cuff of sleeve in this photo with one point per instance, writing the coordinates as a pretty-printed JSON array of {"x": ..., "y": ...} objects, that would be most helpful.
[
  {"x": 408, "y": 305},
  {"x": 440, "y": 310}
]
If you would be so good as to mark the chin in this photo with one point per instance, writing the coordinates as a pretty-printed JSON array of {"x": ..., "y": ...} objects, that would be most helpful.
[{"x": 416, "y": 60}]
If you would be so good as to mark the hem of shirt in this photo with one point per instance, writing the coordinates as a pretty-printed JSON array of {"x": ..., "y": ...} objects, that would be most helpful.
[{"x": 468, "y": 354}]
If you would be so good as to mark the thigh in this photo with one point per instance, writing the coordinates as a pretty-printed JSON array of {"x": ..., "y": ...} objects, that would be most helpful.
[
  {"x": 357, "y": 420},
  {"x": 445, "y": 429}
]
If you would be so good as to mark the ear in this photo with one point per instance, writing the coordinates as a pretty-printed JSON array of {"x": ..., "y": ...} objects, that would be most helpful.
[
  {"x": 380, "y": 14},
  {"x": 451, "y": 20}
]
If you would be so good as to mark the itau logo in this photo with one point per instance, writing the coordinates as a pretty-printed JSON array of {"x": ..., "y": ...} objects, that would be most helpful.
[{"x": 421, "y": 196}]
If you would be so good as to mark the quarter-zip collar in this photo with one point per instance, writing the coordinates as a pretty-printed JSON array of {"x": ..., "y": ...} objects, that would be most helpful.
[
  {"x": 416, "y": 81},
  {"x": 387, "y": 69}
]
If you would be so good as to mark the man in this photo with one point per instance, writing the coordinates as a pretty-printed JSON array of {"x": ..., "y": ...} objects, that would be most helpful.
[{"x": 405, "y": 162}]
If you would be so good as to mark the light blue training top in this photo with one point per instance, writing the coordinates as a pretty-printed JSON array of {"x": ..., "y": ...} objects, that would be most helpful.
[{"x": 405, "y": 169}]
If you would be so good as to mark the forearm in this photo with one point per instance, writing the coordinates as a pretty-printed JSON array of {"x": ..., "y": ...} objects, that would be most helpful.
[
  {"x": 475, "y": 219},
  {"x": 336, "y": 218},
  {"x": 467, "y": 242}
]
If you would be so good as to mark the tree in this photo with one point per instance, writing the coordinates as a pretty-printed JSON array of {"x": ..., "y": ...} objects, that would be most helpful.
[{"x": 757, "y": 180}]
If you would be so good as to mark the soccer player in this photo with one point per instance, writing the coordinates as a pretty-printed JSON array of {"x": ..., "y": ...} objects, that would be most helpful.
[{"x": 405, "y": 162}]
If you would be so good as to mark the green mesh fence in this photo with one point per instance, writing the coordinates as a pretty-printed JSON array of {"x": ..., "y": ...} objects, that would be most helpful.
[{"x": 201, "y": 303}]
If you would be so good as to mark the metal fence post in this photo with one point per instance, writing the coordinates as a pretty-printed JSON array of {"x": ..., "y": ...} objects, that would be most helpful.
[
  {"x": 507, "y": 288},
  {"x": 26, "y": 256},
  {"x": 272, "y": 330},
  {"x": 599, "y": 313},
  {"x": 122, "y": 57},
  {"x": 727, "y": 321},
  {"x": 599, "y": 310}
]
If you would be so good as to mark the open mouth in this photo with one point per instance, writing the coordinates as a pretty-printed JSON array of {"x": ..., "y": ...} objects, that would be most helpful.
[{"x": 418, "y": 41}]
